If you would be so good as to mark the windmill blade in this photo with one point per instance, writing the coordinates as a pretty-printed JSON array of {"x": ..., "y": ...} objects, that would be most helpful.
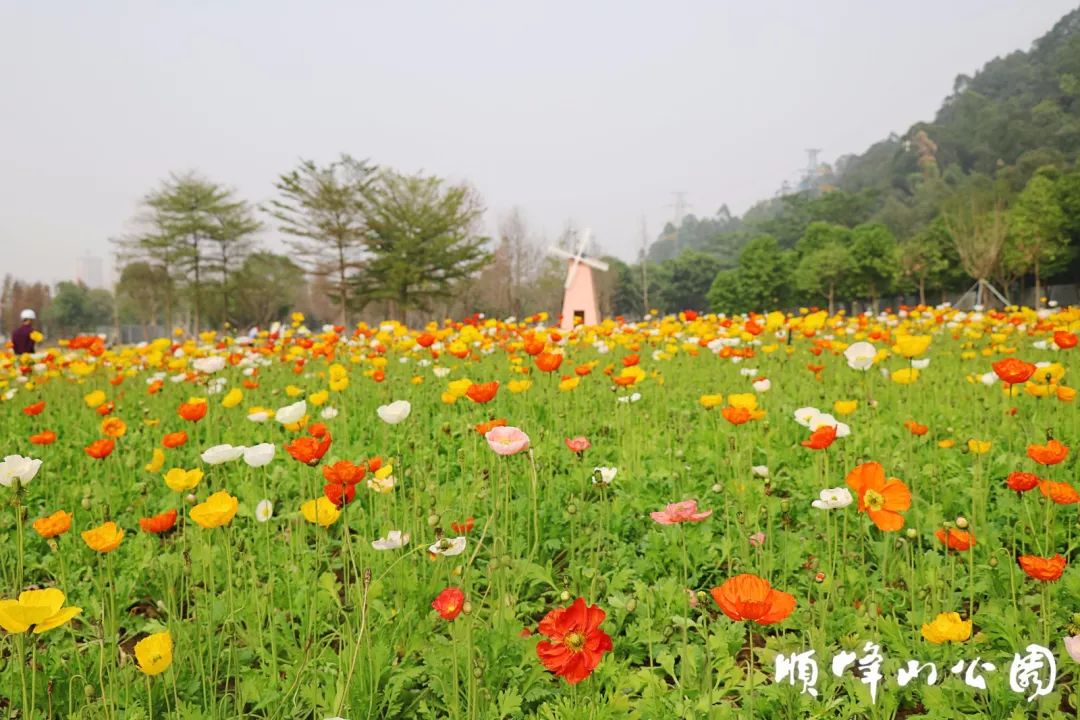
[
  {"x": 583, "y": 241},
  {"x": 573, "y": 271},
  {"x": 598, "y": 264},
  {"x": 561, "y": 253}
]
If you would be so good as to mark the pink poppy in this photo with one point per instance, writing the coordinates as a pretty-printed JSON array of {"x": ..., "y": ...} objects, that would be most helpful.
[
  {"x": 507, "y": 440},
  {"x": 578, "y": 444},
  {"x": 685, "y": 511}
]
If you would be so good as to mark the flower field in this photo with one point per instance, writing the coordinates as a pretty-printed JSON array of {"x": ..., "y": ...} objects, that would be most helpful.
[{"x": 776, "y": 516}]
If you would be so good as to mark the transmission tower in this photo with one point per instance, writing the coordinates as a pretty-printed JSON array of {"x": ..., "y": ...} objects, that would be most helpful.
[
  {"x": 679, "y": 208},
  {"x": 811, "y": 167}
]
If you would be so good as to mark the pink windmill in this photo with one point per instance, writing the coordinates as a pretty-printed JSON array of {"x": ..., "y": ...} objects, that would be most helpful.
[{"x": 579, "y": 298}]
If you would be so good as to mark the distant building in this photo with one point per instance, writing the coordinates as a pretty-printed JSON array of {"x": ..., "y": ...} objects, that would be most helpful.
[{"x": 88, "y": 271}]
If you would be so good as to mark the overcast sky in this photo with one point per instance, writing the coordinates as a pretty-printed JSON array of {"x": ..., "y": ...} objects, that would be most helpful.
[{"x": 593, "y": 112}]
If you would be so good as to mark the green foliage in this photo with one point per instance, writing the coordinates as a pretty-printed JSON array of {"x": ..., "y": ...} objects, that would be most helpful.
[
  {"x": 268, "y": 285},
  {"x": 422, "y": 241},
  {"x": 759, "y": 283},
  {"x": 684, "y": 281},
  {"x": 874, "y": 261},
  {"x": 78, "y": 309}
]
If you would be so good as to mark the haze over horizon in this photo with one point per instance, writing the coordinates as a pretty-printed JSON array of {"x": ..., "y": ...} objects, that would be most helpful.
[{"x": 592, "y": 114}]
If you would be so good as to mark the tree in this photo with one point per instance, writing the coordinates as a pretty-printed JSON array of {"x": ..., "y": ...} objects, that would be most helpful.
[
  {"x": 267, "y": 287},
  {"x": 323, "y": 208},
  {"x": 922, "y": 260},
  {"x": 1036, "y": 241},
  {"x": 141, "y": 292},
  {"x": 75, "y": 308},
  {"x": 422, "y": 238},
  {"x": 873, "y": 255},
  {"x": 821, "y": 271},
  {"x": 978, "y": 231},
  {"x": 233, "y": 228},
  {"x": 760, "y": 283},
  {"x": 16, "y": 296},
  {"x": 684, "y": 281}
]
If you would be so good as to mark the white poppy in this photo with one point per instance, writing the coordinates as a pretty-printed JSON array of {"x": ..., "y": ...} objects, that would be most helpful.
[
  {"x": 17, "y": 467},
  {"x": 761, "y": 471},
  {"x": 604, "y": 475},
  {"x": 328, "y": 413},
  {"x": 762, "y": 385},
  {"x": 921, "y": 363},
  {"x": 440, "y": 372},
  {"x": 748, "y": 372},
  {"x": 805, "y": 415},
  {"x": 221, "y": 454},
  {"x": 632, "y": 398},
  {"x": 833, "y": 498},
  {"x": 395, "y": 412},
  {"x": 291, "y": 413},
  {"x": 260, "y": 417},
  {"x": 827, "y": 420},
  {"x": 259, "y": 455},
  {"x": 209, "y": 365},
  {"x": 448, "y": 546},
  {"x": 988, "y": 378},
  {"x": 264, "y": 510},
  {"x": 394, "y": 540},
  {"x": 860, "y": 355}
]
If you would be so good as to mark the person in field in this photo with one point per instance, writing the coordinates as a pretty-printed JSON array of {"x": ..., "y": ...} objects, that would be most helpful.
[{"x": 21, "y": 342}]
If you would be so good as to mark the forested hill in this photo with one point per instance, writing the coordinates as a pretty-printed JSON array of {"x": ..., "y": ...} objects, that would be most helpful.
[{"x": 1016, "y": 119}]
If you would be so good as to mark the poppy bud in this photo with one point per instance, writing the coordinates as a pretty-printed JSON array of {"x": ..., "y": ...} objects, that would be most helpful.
[
  {"x": 432, "y": 520},
  {"x": 820, "y": 577},
  {"x": 571, "y": 509},
  {"x": 785, "y": 505},
  {"x": 912, "y": 533},
  {"x": 716, "y": 488},
  {"x": 456, "y": 571},
  {"x": 466, "y": 607},
  {"x": 993, "y": 562},
  {"x": 53, "y": 545},
  {"x": 478, "y": 672},
  {"x": 961, "y": 522},
  {"x": 89, "y": 692},
  {"x": 564, "y": 596},
  {"x": 190, "y": 499},
  {"x": 86, "y": 503},
  {"x": 631, "y": 605}
]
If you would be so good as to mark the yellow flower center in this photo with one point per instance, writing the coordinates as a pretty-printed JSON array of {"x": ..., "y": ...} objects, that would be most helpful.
[
  {"x": 575, "y": 641},
  {"x": 874, "y": 500}
]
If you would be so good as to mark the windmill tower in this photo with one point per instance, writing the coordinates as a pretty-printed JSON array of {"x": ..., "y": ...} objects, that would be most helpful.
[{"x": 579, "y": 294}]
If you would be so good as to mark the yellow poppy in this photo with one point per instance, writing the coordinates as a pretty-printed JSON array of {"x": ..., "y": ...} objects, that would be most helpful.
[
  {"x": 321, "y": 511},
  {"x": 217, "y": 510},
  {"x": 154, "y": 653},
  {"x": 947, "y": 627},
  {"x": 39, "y": 609}
]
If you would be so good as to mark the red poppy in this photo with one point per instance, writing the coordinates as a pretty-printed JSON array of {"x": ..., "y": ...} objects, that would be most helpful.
[
  {"x": 100, "y": 449},
  {"x": 482, "y": 392},
  {"x": 534, "y": 347},
  {"x": 915, "y": 428},
  {"x": 317, "y": 430},
  {"x": 158, "y": 524},
  {"x": 174, "y": 439},
  {"x": 1013, "y": 370},
  {"x": 106, "y": 408},
  {"x": 378, "y": 376},
  {"x": 192, "y": 411},
  {"x": 34, "y": 409},
  {"x": 959, "y": 540},
  {"x": 1022, "y": 481},
  {"x": 578, "y": 444},
  {"x": 484, "y": 427},
  {"x": 373, "y": 464},
  {"x": 631, "y": 360},
  {"x": 1059, "y": 492},
  {"x": 582, "y": 370},
  {"x": 425, "y": 339},
  {"x": 624, "y": 380},
  {"x": 449, "y": 603},
  {"x": 548, "y": 362},
  {"x": 45, "y": 437},
  {"x": 339, "y": 493},
  {"x": 463, "y": 528},
  {"x": 251, "y": 384},
  {"x": 343, "y": 472},
  {"x": 575, "y": 643},
  {"x": 308, "y": 450},
  {"x": 735, "y": 415},
  {"x": 749, "y": 597},
  {"x": 1051, "y": 453},
  {"x": 155, "y": 387},
  {"x": 1040, "y": 568},
  {"x": 821, "y": 438},
  {"x": 1065, "y": 340}
]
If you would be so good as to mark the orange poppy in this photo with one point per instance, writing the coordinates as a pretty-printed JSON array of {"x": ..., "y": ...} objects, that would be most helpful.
[
  {"x": 373, "y": 464},
  {"x": 34, "y": 409},
  {"x": 1051, "y": 453},
  {"x": 344, "y": 472},
  {"x": 631, "y": 360},
  {"x": 308, "y": 450},
  {"x": 915, "y": 428},
  {"x": 1022, "y": 481},
  {"x": 114, "y": 427},
  {"x": 482, "y": 392},
  {"x": 625, "y": 380},
  {"x": 192, "y": 411},
  {"x": 56, "y": 524},
  {"x": 45, "y": 437},
  {"x": 1013, "y": 370},
  {"x": 317, "y": 430},
  {"x": 959, "y": 540},
  {"x": 484, "y": 427},
  {"x": 100, "y": 449},
  {"x": 883, "y": 500},
  {"x": 174, "y": 439},
  {"x": 582, "y": 370},
  {"x": 534, "y": 347},
  {"x": 106, "y": 408},
  {"x": 160, "y": 523},
  {"x": 154, "y": 387},
  {"x": 425, "y": 339},
  {"x": 1040, "y": 568},
  {"x": 735, "y": 415},
  {"x": 548, "y": 362},
  {"x": 574, "y": 644},
  {"x": 821, "y": 438},
  {"x": 1064, "y": 339},
  {"x": 1059, "y": 492},
  {"x": 749, "y": 597}
]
